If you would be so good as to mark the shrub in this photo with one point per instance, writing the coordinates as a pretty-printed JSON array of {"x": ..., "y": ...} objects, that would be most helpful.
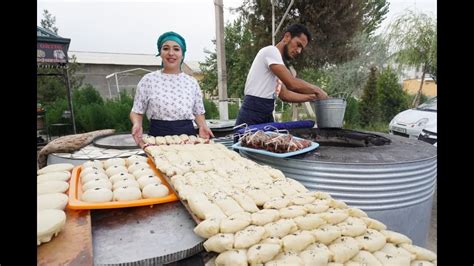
[{"x": 211, "y": 109}]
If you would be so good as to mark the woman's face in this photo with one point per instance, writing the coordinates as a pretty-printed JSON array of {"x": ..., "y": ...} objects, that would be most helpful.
[{"x": 171, "y": 54}]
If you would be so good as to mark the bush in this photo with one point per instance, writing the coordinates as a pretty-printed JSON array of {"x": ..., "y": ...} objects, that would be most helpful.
[
  {"x": 92, "y": 117},
  {"x": 393, "y": 99},
  {"x": 352, "y": 116},
  {"x": 211, "y": 109},
  {"x": 233, "y": 110}
]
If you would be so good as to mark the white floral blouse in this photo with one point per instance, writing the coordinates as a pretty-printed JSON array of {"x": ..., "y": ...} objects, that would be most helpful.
[{"x": 168, "y": 97}]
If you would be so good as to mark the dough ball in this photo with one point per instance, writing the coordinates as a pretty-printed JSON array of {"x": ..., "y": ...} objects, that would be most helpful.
[
  {"x": 127, "y": 193},
  {"x": 53, "y": 186},
  {"x": 155, "y": 190},
  {"x": 56, "y": 201},
  {"x": 49, "y": 223},
  {"x": 58, "y": 167},
  {"x": 97, "y": 195}
]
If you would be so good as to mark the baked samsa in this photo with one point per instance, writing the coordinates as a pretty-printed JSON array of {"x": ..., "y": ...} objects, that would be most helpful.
[
  {"x": 237, "y": 257},
  {"x": 344, "y": 248},
  {"x": 280, "y": 228},
  {"x": 249, "y": 236},
  {"x": 208, "y": 227},
  {"x": 366, "y": 258},
  {"x": 395, "y": 238},
  {"x": 297, "y": 241},
  {"x": 261, "y": 253},
  {"x": 309, "y": 222},
  {"x": 265, "y": 216},
  {"x": 326, "y": 233},
  {"x": 219, "y": 243},
  {"x": 235, "y": 222},
  {"x": 372, "y": 240},
  {"x": 420, "y": 253}
]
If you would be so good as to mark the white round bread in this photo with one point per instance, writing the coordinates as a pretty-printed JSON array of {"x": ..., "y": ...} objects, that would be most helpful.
[
  {"x": 56, "y": 201},
  {"x": 136, "y": 158},
  {"x": 115, "y": 169},
  {"x": 97, "y": 195},
  {"x": 58, "y": 167},
  {"x": 127, "y": 193},
  {"x": 155, "y": 191},
  {"x": 49, "y": 223},
  {"x": 114, "y": 161},
  {"x": 126, "y": 182},
  {"x": 98, "y": 182},
  {"x": 137, "y": 165},
  {"x": 91, "y": 169},
  {"x": 148, "y": 179},
  {"x": 92, "y": 176},
  {"x": 143, "y": 171},
  {"x": 53, "y": 186},
  {"x": 95, "y": 163},
  {"x": 61, "y": 176},
  {"x": 117, "y": 177}
]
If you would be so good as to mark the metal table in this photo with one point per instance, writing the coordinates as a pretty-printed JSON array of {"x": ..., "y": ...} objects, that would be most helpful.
[{"x": 146, "y": 235}]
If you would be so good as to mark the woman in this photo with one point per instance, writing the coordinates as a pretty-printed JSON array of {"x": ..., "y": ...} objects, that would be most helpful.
[{"x": 170, "y": 98}]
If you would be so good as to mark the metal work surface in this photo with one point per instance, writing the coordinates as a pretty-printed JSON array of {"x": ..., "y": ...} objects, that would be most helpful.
[
  {"x": 116, "y": 141},
  {"x": 144, "y": 235}
]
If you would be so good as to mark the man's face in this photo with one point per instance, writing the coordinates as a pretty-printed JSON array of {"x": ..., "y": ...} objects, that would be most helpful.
[{"x": 294, "y": 46}]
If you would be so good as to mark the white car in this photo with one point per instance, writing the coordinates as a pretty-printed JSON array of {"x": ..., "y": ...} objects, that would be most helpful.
[{"x": 410, "y": 123}]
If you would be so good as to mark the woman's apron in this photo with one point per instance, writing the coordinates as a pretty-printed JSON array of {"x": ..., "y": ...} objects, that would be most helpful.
[{"x": 177, "y": 127}]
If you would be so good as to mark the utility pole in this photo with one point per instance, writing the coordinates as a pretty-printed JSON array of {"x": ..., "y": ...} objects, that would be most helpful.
[{"x": 221, "y": 67}]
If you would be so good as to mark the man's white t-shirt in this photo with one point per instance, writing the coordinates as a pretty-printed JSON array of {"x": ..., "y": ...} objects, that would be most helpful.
[{"x": 261, "y": 82}]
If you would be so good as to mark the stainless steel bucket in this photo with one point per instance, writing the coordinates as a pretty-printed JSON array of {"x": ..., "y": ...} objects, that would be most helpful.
[{"x": 330, "y": 112}]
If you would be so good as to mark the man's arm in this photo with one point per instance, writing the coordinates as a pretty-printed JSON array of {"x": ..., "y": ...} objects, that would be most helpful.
[
  {"x": 293, "y": 97},
  {"x": 295, "y": 84}
]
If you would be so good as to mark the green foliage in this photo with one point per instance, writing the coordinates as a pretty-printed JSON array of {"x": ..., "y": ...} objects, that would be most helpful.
[
  {"x": 49, "y": 21},
  {"x": 391, "y": 95},
  {"x": 332, "y": 23},
  {"x": 237, "y": 40},
  {"x": 414, "y": 40},
  {"x": 54, "y": 112},
  {"x": 211, "y": 109},
  {"x": 86, "y": 95},
  {"x": 92, "y": 117},
  {"x": 369, "y": 108},
  {"x": 233, "y": 110},
  {"x": 351, "y": 116},
  {"x": 118, "y": 112},
  {"x": 373, "y": 127}
]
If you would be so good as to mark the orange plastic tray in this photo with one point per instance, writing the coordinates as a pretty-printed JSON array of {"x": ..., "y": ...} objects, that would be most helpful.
[{"x": 75, "y": 193}]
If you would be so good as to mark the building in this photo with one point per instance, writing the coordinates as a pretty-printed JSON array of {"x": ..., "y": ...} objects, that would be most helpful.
[
  {"x": 411, "y": 86},
  {"x": 112, "y": 73}
]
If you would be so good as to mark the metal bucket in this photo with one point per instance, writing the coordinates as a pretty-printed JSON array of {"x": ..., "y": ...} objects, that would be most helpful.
[{"x": 330, "y": 112}]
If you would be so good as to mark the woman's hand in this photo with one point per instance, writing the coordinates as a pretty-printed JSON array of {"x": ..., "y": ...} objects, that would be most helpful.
[
  {"x": 137, "y": 134},
  {"x": 205, "y": 132}
]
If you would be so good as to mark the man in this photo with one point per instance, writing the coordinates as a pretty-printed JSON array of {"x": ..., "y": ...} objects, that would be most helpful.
[{"x": 269, "y": 78}]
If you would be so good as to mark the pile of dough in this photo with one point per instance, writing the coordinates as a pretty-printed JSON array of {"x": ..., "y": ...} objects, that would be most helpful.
[
  {"x": 127, "y": 193},
  {"x": 97, "y": 195},
  {"x": 155, "y": 190},
  {"x": 60, "y": 176},
  {"x": 251, "y": 235},
  {"x": 53, "y": 186},
  {"x": 59, "y": 167},
  {"x": 52, "y": 201},
  {"x": 50, "y": 222}
]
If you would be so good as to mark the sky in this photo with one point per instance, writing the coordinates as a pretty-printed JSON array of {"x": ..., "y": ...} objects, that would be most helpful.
[{"x": 125, "y": 26}]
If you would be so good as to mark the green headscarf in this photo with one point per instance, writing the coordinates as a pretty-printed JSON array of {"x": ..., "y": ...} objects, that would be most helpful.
[{"x": 171, "y": 36}]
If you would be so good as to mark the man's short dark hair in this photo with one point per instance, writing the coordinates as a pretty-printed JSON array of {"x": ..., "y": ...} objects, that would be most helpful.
[{"x": 296, "y": 29}]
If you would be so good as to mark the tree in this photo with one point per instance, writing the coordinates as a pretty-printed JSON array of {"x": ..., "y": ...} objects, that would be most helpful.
[
  {"x": 50, "y": 87},
  {"x": 332, "y": 23},
  {"x": 49, "y": 21},
  {"x": 414, "y": 39},
  {"x": 237, "y": 40},
  {"x": 392, "y": 98},
  {"x": 369, "y": 106}
]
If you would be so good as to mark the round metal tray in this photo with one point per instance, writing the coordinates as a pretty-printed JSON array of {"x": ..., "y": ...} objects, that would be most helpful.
[{"x": 116, "y": 141}]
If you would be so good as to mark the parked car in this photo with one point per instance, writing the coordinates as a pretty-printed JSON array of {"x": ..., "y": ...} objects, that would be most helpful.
[
  {"x": 411, "y": 122},
  {"x": 430, "y": 135}
]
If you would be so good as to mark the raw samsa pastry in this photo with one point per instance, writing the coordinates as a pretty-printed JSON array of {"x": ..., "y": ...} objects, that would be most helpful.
[
  {"x": 53, "y": 186},
  {"x": 97, "y": 195},
  {"x": 127, "y": 193},
  {"x": 297, "y": 241},
  {"x": 155, "y": 190},
  {"x": 208, "y": 227},
  {"x": 261, "y": 253},
  {"x": 52, "y": 201},
  {"x": 265, "y": 216},
  {"x": 249, "y": 236},
  {"x": 219, "y": 243},
  {"x": 236, "y": 257},
  {"x": 50, "y": 222},
  {"x": 235, "y": 222}
]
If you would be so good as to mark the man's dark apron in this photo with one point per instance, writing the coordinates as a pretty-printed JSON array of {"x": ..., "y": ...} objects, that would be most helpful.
[
  {"x": 177, "y": 127},
  {"x": 256, "y": 110}
]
